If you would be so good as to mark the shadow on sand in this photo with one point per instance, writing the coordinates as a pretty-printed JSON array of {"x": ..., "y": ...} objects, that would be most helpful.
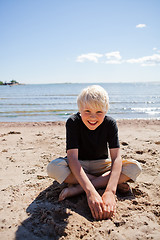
[{"x": 48, "y": 218}]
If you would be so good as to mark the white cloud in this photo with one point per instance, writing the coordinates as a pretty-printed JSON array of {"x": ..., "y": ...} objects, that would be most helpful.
[
  {"x": 93, "y": 57},
  {"x": 141, "y": 25},
  {"x": 154, "y": 49},
  {"x": 113, "y": 58},
  {"x": 113, "y": 55},
  {"x": 146, "y": 61}
]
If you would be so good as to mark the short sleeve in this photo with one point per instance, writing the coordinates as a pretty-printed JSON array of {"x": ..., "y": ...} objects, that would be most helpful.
[
  {"x": 113, "y": 139},
  {"x": 71, "y": 134}
]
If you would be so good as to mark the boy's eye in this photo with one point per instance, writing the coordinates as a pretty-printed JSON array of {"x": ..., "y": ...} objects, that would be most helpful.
[
  {"x": 87, "y": 111},
  {"x": 99, "y": 112}
]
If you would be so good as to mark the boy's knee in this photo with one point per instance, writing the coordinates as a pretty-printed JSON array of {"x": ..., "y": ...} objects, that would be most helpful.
[
  {"x": 58, "y": 169},
  {"x": 50, "y": 170},
  {"x": 54, "y": 167},
  {"x": 132, "y": 169},
  {"x": 138, "y": 168}
]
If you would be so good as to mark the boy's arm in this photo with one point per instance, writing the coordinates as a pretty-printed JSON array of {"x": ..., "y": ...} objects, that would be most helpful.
[
  {"x": 115, "y": 169},
  {"x": 94, "y": 199},
  {"x": 109, "y": 194}
]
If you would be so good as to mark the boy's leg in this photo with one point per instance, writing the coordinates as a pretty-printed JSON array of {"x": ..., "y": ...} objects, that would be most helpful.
[
  {"x": 130, "y": 170},
  {"x": 98, "y": 182},
  {"x": 72, "y": 180},
  {"x": 58, "y": 169}
]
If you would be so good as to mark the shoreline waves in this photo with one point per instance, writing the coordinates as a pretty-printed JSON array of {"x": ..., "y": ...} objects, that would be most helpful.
[{"x": 56, "y": 102}]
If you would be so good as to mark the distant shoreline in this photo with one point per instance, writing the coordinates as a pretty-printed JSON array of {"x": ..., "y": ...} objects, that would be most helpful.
[
  {"x": 11, "y": 83},
  {"x": 86, "y": 83}
]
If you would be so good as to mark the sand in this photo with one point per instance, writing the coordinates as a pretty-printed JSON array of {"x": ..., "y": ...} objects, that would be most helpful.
[{"x": 29, "y": 207}]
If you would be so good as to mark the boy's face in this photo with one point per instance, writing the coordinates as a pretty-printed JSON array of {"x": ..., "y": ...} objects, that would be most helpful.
[{"x": 92, "y": 118}]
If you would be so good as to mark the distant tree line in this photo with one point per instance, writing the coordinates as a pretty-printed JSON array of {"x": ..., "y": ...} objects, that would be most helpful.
[{"x": 12, "y": 82}]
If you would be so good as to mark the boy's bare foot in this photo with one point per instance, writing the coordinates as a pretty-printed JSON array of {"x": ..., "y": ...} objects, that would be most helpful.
[
  {"x": 70, "y": 191},
  {"x": 64, "y": 194},
  {"x": 123, "y": 187}
]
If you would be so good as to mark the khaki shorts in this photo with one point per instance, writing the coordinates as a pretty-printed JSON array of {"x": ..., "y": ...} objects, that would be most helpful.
[{"x": 59, "y": 168}]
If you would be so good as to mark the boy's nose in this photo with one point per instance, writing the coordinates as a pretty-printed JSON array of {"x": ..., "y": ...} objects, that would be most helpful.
[{"x": 93, "y": 115}]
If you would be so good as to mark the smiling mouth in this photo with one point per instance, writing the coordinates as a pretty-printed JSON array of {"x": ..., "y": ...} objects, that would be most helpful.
[{"x": 92, "y": 123}]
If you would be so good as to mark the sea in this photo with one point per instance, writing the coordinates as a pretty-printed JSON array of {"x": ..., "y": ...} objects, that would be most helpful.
[{"x": 56, "y": 102}]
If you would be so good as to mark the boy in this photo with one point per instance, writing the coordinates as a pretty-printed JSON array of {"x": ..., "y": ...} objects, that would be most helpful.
[{"x": 87, "y": 167}]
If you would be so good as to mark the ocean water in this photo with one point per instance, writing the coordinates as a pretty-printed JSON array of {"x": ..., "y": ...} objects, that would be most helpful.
[{"x": 56, "y": 102}]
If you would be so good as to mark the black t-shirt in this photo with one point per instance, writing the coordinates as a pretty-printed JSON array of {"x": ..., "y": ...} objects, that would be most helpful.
[{"x": 91, "y": 144}]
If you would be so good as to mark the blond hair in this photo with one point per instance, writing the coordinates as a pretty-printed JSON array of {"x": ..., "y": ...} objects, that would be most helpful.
[{"x": 94, "y": 96}]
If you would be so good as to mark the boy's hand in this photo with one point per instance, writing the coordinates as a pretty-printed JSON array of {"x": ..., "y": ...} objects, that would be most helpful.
[
  {"x": 109, "y": 204},
  {"x": 96, "y": 205}
]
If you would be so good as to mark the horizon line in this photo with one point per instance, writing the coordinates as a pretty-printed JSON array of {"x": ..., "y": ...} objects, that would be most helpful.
[{"x": 87, "y": 82}]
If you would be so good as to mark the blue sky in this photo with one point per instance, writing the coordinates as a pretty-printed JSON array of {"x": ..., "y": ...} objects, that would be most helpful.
[{"x": 54, "y": 41}]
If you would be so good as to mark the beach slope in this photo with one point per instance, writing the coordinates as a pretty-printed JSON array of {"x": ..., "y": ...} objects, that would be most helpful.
[{"x": 29, "y": 207}]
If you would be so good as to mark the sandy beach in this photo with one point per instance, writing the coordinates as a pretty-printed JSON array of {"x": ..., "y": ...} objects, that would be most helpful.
[{"x": 29, "y": 207}]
